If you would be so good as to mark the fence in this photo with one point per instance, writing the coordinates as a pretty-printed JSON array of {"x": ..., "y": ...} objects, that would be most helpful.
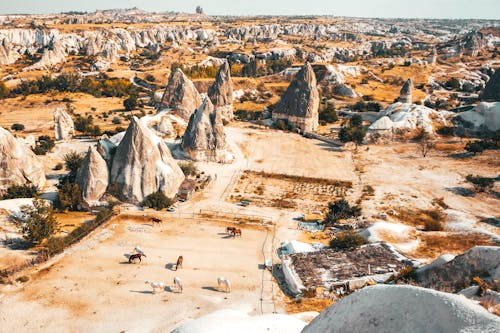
[{"x": 323, "y": 138}]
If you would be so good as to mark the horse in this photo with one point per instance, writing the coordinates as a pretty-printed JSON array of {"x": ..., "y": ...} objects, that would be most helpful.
[
  {"x": 236, "y": 232},
  {"x": 156, "y": 220},
  {"x": 178, "y": 283},
  {"x": 179, "y": 262},
  {"x": 137, "y": 249},
  {"x": 135, "y": 256},
  {"x": 224, "y": 281},
  {"x": 156, "y": 285},
  {"x": 230, "y": 230}
]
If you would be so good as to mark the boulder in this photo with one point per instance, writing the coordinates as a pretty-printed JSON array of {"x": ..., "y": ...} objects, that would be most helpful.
[
  {"x": 181, "y": 95},
  {"x": 400, "y": 308},
  {"x": 405, "y": 95},
  {"x": 64, "y": 126},
  {"x": 483, "y": 116},
  {"x": 143, "y": 165},
  {"x": 204, "y": 138},
  {"x": 93, "y": 177},
  {"x": 345, "y": 91},
  {"x": 18, "y": 164},
  {"x": 491, "y": 91},
  {"x": 166, "y": 128},
  {"x": 221, "y": 92},
  {"x": 299, "y": 105}
]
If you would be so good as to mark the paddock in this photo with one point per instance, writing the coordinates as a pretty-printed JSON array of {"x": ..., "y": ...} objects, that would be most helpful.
[{"x": 93, "y": 288}]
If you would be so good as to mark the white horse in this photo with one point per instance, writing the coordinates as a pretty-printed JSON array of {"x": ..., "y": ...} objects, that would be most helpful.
[
  {"x": 224, "y": 281},
  {"x": 137, "y": 249},
  {"x": 178, "y": 283},
  {"x": 156, "y": 285}
]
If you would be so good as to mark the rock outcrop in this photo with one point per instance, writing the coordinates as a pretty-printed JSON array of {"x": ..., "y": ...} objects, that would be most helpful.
[
  {"x": 491, "y": 91},
  {"x": 143, "y": 165},
  {"x": 93, "y": 177},
  {"x": 166, "y": 128},
  {"x": 18, "y": 164},
  {"x": 8, "y": 56},
  {"x": 64, "y": 127},
  {"x": 484, "y": 116},
  {"x": 406, "y": 93},
  {"x": 396, "y": 308},
  {"x": 299, "y": 105},
  {"x": 53, "y": 54},
  {"x": 221, "y": 92},
  {"x": 204, "y": 138},
  {"x": 181, "y": 95}
]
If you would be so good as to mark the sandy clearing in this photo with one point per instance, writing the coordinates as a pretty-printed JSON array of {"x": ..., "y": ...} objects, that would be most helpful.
[{"x": 93, "y": 289}]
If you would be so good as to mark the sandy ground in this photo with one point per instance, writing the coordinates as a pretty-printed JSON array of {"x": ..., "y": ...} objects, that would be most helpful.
[{"x": 93, "y": 288}]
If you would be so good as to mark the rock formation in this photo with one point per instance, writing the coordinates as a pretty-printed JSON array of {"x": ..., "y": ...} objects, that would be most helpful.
[
  {"x": 484, "y": 116},
  {"x": 166, "y": 127},
  {"x": 491, "y": 92},
  {"x": 432, "y": 57},
  {"x": 181, "y": 95},
  {"x": 18, "y": 164},
  {"x": 406, "y": 93},
  {"x": 53, "y": 54},
  {"x": 221, "y": 92},
  {"x": 93, "y": 177},
  {"x": 204, "y": 138},
  {"x": 7, "y": 55},
  {"x": 392, "y": 307},
  {"x": 299, "y": 105},
  {"x": 143, "y": 165},
  {"x": 63, "y": 125}
]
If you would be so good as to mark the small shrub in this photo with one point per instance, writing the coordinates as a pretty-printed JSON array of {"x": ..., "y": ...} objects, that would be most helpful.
[
  {"x": 58, "y": 166},
  {"x": 23, "y": 279},
  {"x": 433, "y": 225},
  {"x": 188, "y": 168},
  {"x": 73, "y": 161},
  {"x": 340, "y": 209},
  {"x": 20, "y": 191},
  {"x": 157, "y": 200},
  {"x": 116, "y": 121},
  {"x": 347, "y": 240},
  {"x": 481, "y": 184},
  {"x": 17, "y": 127}
]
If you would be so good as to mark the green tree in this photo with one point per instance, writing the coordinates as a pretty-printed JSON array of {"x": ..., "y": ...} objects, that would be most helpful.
[
  {"x": 17, "y": 127},
  {"x": 157, "y": 200},
  {"x": 69, "y": 195},
  {"x": 73, "y": 161},
  {"x": 130, "y": 103},
  {"x": 38, "y": 221},
  {"x": 339, "y": 210}
]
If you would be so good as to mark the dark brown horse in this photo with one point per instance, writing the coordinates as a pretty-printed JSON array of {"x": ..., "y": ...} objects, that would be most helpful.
[
  {"x": 230, "y": 230},
  {"x": 135, "y": 256},
  {"x": 179, "y": 262},
  {"x": 236, "y": 232}
]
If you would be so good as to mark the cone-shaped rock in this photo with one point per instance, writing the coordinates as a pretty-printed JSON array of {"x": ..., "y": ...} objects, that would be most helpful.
[
  {"x": 143, "y": 165},
  {"x": 406, "y": 93},
  {"x": 64, "y": 126},
  {"x": 221, "y": 92},
  {"x": 93, "y": 177},
  {"x": 491, "y": 92},
  {"x": 204, "y": 138},
  {"x": 299, "y": 105},
  {"x": 18, "y": 164},
  {"x": 181, "y": 95},
  {"x": 166, "y": 127}
]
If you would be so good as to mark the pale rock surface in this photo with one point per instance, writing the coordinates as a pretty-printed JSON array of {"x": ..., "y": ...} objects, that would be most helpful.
[
  {"x": 221, "y": 92},
  {"x": 143, "y": 165},
  {"x": 166, "y": 127},
  {"x": 483, "y": 115},
  {"x": 400, "y": 308},
  {"x": 93, "y": 177},
  {"x": 230, "y": 321},
  {"x": 8, "y": 56},
  {"x": 181, "y": 95},
  {"x": 18, "y": 164},
  {"x": 299, "y": 105},
  {"x": 204, "y": 138},
  {"x": 64, "y": 127}
]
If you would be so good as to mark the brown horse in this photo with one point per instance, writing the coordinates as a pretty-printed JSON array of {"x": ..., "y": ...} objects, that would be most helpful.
[
  {"x": 179, "y": 262},
  {"x": 236, "y": 232},
  {"x": 230, "y": 230},
  {"x": 135, "y": 256}
]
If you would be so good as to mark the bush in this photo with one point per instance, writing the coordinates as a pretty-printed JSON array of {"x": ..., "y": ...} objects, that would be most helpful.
[
  {"x": 347, "y": 240},
  {"x": 157, "y": 200},
  {"x": 58, "y": 166},
  {"x": 38, "y": 221},
  {"x": 130, "y": 103},
  {"x": 116, "y": 121},
  {"x": 44, "y": 145},
  {"x": 20, "y": 191},
  {"x": 69, "y": 195},
  {"x": 23, "y": 279},
  {"x": 328, "y": 116},
  {"x": 4, "y": 90},
  {"x": 339, "y": 210},
  {"x": 73, "y": 161},
  {"x": 481, "y": 184},
  {"x": 433, "y": 225},
  {"x": 17, "y": 127},
  {"x": 474, "y": 147},
  {"x": 188, "y": 168}
]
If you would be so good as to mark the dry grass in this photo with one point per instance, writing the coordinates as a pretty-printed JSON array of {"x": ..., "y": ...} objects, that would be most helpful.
[
  {"x": 488, "y": 302},
  {"x": 449, "y": 147},
  {"x": 433, "y": 245},
  {"x": 428, "y": 219},
  {"x": 307, "y": 304}
]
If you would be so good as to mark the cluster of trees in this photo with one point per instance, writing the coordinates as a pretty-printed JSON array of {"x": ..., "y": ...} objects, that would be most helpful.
[
  {"x": 37, "y": 222},
  {"x": 256, "y": 68},
  {"x": 480, "y": 146},
  {"x": 353, "y": 130},
  {"x": 107, "y": 87},
  {"x": 69, "y": 196},
  {"x": 86, "y": 125},
  {"x": 196, "y": 72},
  {"x": 327, "y": 114},
  {"x": 157, "y": 200},
  {"x": 20, "y": 191},
  {"x": 481, "y": 184},
  {"x": 363, "y": 106}
]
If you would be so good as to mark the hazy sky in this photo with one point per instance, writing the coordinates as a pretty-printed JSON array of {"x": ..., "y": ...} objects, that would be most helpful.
[{"x": 364, "y": 8}]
